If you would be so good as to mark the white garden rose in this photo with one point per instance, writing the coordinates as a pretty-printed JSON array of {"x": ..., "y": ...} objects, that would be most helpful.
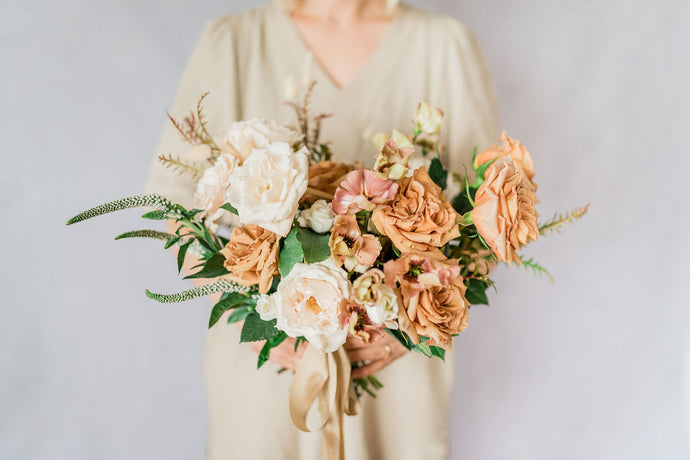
[
  {"x": 380, "y": 301},
  {"x": 309, "y": 302},
  {"x": 243, "y": 136},
  {"x": 212, "y": 188},
  {"x": 319, "y": 217},
  {"x": 267, "y": 188},
  {"x": 428, "y": 119}
]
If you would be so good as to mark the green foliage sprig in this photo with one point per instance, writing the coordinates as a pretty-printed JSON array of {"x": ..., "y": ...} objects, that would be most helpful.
[
  {"x": 152, "y": 200},
  {"x": 559, "y": 220},
  {"x": 221, "y": 285}
]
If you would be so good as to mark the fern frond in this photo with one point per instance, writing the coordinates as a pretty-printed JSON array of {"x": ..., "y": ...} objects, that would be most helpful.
[
  {"x": 180, "y": 129},
  {"x": 181, "y": 166},
  {"x": 154, "y": 201},
  {"x": 537, "y": 269},
  {"x": 203, "y": 134},
  {"x": 154, "y": 234},
  {"x": 560, "y": 220},
  {"x": 199, "y": 291}
]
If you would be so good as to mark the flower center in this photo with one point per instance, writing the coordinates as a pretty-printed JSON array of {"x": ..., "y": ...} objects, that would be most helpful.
[{"x": 312, "y": 305}]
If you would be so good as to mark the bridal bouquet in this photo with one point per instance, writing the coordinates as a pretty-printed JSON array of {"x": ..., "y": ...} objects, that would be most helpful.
[{"x": 323, "y": 250}]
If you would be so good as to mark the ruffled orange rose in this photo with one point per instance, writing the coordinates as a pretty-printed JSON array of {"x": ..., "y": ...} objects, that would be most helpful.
[
  {"x": 439, "y": 312},
  {"x": 251, "y": 256},
  {"x": 324, "y": 178},
  {"x": 511, "y": 147},
  {"x": 505, "y": 211},
  {"x": 419, "y": 219},
  {"x": 431, "y": 297}
]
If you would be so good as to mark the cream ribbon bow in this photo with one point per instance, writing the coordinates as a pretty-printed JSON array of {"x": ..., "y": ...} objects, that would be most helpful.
[{"x": 326, "y": 377}]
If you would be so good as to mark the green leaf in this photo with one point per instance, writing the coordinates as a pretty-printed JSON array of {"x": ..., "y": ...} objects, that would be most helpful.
[
  {"x": 155, "y": 215},
  {"x": 438, "y": 351},
  {"x": 240, "y": 313},
  {"x": 230, "y": 208},
  {"x": 227, "y": 301},
  {"x": 437, "y": 173},
  {"x": 256, "y": 329},
  {"x": 212, "y": 268},
  {"x": 181, "y": 253},
  {"x": 154, "y": 234},
  {"x": 291, "y": 253},
  {"x": 476, "y": 291},
  {"x": 401, "y": 337},
  {"x": 314, "y": 245},
  {"x": 423, "y": 348},
  {"x": 270, "y": 343},
  {"x": 171, "y": 241}
]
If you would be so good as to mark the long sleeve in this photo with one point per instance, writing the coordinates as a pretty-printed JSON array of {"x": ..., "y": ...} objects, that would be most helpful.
[
  {"x": 210, "y": 68},
  {"x": 467, "y": 91}
]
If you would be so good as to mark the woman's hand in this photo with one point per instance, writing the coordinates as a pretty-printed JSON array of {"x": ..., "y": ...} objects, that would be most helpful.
[{"x": 376, "y": 355}]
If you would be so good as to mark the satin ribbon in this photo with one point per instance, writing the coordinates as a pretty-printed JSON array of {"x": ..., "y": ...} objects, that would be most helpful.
[{"x": 324, "y": 377}]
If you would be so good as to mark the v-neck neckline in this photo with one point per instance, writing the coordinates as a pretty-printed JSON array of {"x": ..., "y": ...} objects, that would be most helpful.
[{"x": 381, "y": 51}]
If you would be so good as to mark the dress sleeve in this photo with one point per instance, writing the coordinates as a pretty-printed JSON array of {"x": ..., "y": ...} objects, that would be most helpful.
[
  {"x": 466, "y": 93},
  {"x": 210, "y": 68}
]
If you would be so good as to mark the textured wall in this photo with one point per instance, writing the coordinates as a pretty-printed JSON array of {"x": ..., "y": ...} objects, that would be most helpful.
[{"x": 592, "y": 367}]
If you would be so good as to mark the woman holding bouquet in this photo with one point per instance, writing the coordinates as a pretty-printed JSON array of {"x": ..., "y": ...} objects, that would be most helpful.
[{"x": 373, "y": 60}]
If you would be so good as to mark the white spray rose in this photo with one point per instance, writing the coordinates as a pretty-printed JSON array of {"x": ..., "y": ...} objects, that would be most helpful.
[
  {"x": 243, "y": 136},
  {"x": 212, "y": 187},
  {"x": 428, "y": 119},
  {"x": 267, "y": 188},
  {"x": 309, "y": 301},
  {"x": 266, "y": 307},
  {"x": 319, "y": 217},
  {"x": 379, "y": 300}
]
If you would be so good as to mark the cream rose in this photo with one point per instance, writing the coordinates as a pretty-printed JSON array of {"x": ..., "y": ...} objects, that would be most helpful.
[
  {"x": 267, "y": 188},
  {"x": 379, "y": 300},
  {"x": 309, "y": 303},
  {"x": 319, "y": 217},
  {"x": 428, "y": 119},
  {"x": 243, "y": 136},
  {"x": 212, "y": 187}
]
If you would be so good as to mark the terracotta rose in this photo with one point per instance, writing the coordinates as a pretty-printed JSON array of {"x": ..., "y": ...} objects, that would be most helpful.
[
  {"x": 324, "y": 178},
  {"x": 504, "y": 212},
  {"x": 251, "y": 256},
  {"x": 510, "y": 147},
  {"x": 418, "y": 219},
  {"x": 431, "y": 297}
]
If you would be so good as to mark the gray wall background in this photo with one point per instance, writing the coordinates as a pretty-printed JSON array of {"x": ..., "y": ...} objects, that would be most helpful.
[{"x": 595, "y": 366}]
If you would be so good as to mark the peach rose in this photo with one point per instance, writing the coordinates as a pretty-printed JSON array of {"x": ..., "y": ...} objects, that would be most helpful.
[
  {"x": 324, "y": 179},
  {"x": 350, "y": 248},
  {"x": 512, "y": 148},
  {"x": 251, "y": 256},
  {"x": 432, "y": 297},
  {"x": 504, "y": 211},
  {"x": 439, "y": 312},
  {"x": 419, "y": 219}
]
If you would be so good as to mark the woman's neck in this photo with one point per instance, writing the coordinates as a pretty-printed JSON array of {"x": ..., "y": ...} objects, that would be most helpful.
[{"x": 340, "y": 12}]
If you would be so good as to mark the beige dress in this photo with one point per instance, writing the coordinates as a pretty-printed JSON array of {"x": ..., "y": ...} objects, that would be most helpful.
[{"x": 244, "y": 60}]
